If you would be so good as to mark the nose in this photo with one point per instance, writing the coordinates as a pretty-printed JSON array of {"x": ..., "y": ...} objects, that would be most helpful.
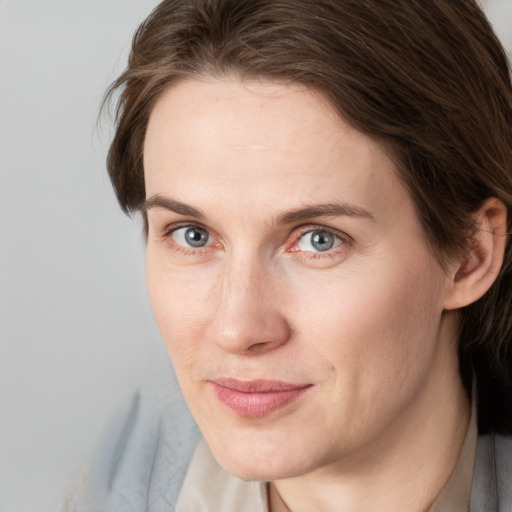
[{"x": 249, "y": 317}]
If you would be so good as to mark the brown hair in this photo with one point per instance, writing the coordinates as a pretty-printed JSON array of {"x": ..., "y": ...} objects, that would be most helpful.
[{"x": 427, "y": 77}]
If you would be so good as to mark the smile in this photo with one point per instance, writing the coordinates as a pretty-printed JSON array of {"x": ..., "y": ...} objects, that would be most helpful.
[{"x": 256, "y": 398}]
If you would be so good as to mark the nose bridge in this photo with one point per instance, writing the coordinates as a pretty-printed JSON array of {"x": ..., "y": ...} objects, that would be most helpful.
[
  {"x": 243, "y": 282},
  {"x": 248, "y": 314}
]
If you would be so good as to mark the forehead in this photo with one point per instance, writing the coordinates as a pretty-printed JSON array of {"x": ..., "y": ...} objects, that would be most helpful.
[
  {"x": 261, "y": 140},
  {"x": 237, "y": 112}
]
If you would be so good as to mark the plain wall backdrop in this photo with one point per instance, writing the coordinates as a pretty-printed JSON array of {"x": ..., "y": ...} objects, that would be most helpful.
[{"x": 76, "y": 333}]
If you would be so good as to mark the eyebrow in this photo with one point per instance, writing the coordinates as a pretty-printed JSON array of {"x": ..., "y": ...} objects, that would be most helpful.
[
  {"x": 332, "y": 209},
  {"x": 167, "y": 203}
]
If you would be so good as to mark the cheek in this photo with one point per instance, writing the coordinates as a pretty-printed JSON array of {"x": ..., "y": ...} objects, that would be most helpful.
[
  {"x": 179, "y": 300},
  {"x": 376, "y": 329}
]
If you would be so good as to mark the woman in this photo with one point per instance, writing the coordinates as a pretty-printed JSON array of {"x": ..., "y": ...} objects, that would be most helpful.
[{"x": 326, "y": 189}]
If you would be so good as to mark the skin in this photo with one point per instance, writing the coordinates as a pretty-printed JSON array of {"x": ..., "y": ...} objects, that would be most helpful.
[{"x": 366, "y": 324}]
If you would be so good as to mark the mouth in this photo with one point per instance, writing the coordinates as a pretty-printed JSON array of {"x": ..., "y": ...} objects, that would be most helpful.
[{"x": 256, "y": 398}]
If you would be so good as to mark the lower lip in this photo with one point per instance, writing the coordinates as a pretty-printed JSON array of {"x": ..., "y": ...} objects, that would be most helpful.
[{"x": 256, "y": 404}]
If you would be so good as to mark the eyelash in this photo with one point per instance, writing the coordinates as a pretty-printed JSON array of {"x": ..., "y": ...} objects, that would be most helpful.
[{"x": 345, "y": 240}]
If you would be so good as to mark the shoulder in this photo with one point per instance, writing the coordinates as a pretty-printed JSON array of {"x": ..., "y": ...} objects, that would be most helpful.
[
  {"x": 492, "y": 480},
  {"x": 142, "y": 459}
]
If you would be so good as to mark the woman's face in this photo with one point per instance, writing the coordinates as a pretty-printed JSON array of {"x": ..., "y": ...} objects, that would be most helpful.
[{"x": 290, "y": 278}]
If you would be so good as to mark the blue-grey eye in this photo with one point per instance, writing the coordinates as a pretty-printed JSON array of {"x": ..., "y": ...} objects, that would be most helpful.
[
  {"x": 318, "y": 241},
  {"x": 191, "y": 236}
]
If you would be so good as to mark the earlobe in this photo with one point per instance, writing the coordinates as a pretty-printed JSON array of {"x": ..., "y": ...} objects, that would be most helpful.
[{"x": 480, "y": 264}]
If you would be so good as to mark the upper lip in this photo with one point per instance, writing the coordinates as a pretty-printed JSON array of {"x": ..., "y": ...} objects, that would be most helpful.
[{"x": 258, "y": 385}]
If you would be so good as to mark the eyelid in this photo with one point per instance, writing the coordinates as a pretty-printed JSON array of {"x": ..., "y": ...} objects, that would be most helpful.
[
  {"x": 319, "y": 227},
  {"x": 174, "y": 226}
]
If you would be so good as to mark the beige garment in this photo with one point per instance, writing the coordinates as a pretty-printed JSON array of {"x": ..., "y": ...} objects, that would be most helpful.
[{"x": 209, "y": 488}]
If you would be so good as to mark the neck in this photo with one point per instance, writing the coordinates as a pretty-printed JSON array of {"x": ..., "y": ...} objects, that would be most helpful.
[{"x": 405, "y": 469}]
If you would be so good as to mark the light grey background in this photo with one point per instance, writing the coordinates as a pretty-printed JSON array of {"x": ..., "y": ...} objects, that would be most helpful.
[{"x": 76, "y": 332}]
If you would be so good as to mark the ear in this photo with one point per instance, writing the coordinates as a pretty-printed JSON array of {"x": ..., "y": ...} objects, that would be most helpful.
[{"x": 479, "y": 266}]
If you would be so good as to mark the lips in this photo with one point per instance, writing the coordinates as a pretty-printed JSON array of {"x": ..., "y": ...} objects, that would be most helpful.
[{"x": 256, "y": 398}]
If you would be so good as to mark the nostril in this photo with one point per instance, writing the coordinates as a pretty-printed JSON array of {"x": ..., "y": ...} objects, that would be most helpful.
[{"x": 256, "y": 348}]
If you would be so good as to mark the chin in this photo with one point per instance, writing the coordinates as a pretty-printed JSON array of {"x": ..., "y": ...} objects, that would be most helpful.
[
  {"x": 262, "y": 472},
  {"x": 259, "y": 461}
]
